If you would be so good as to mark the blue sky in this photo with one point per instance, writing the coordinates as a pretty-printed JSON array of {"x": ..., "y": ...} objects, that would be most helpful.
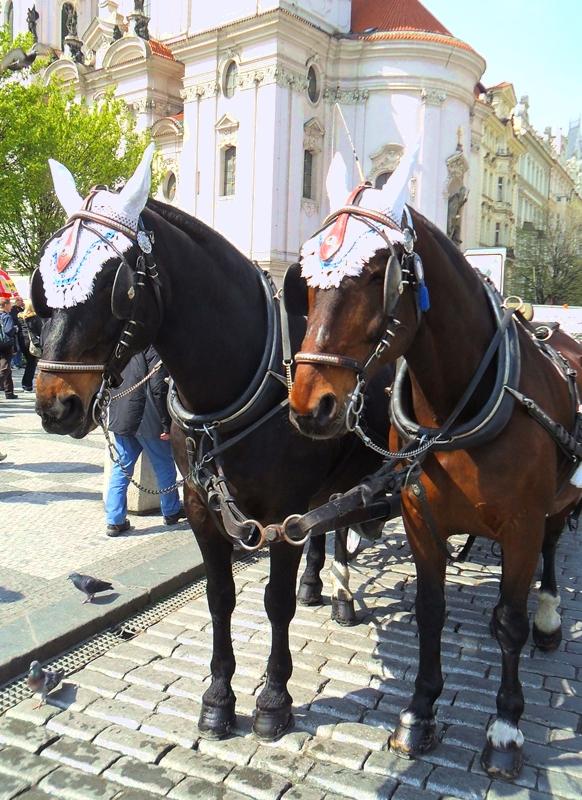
[{"x": 533, "y": 44}]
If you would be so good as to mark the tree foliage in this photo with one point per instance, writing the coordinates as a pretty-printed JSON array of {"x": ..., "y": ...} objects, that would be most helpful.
[
  {"x": 548, "y": 265},
  {"x": 98, "y": 143}
]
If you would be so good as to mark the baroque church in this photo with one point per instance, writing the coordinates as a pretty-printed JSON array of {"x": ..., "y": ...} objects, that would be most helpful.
[{"x": 246, "y": 100}]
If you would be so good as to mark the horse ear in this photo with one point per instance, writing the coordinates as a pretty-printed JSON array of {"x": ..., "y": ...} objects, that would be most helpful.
[
  {"x": 337, "y": 182},
  {"x": 65, "y": 188},
  {"x": 134, "y": 194},
  {"x": 393, "y": 196}
]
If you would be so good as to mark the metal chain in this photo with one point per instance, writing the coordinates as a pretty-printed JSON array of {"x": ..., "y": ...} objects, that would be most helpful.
[
  {"x": 135, "y": 386},
  {"x": 422, "y": 448}
]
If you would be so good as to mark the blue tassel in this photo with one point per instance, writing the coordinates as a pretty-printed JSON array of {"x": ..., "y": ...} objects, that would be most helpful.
[{"x": 423, "y": 297}]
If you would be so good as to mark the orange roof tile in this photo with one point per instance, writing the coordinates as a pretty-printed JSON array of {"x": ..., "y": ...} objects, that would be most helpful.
[
  {"x": 394, "y": 15},
  {"x": 160, "y": 49},
  {"x": 419, "y": 36}
]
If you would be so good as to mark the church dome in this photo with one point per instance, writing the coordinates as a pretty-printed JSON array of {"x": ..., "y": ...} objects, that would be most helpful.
[{"x": 381, "y": 20}]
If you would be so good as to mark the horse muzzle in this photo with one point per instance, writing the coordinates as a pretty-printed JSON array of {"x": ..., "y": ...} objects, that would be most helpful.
[{"x": 324, "y": 420}]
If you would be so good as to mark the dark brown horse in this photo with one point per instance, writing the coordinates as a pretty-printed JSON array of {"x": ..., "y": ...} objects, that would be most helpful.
[
  {"x": 206, "y": 308},
  {"x": 492, "y": 471}
]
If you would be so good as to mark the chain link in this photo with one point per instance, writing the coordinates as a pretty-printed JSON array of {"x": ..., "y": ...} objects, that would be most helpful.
[{"x": 422, "y": 448}]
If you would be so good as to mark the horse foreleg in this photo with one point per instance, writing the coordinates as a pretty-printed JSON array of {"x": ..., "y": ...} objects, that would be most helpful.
[
  {"x": 217, "y": 715},
  {"x": 310, "y": 585},
  {"x": 547, "y": 626},
  {"x": 342, "y": 600},
  {"x": 502, "y": 755},
  {"x": 273, "y": 714},
  {"x": 416, "y": 733}
]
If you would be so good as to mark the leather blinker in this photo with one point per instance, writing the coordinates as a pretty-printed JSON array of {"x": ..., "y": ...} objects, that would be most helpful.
[
  {"x": 123, "y": 292},
  {"x": 295, "y": 291},
  {"x": 38, "y": 296}
]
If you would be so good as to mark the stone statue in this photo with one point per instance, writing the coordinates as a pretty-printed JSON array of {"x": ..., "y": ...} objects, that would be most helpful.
[
  {"x": 456, "y": 203},
  {"x": 117, "y": 33},
  {"x": 70, "y": 19},
  {"x": 32, "y": 17},
  {"x": 138, "y": 6},
  {"x": 140, "y": 27}
]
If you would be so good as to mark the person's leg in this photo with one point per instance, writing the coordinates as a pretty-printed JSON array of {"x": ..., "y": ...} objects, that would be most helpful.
[
  {"x": 6, "y": 372},
  {"x": 29, "y": 371},
  {"x": 129, "y": 449},
  {"x": 160, "y": 455}
]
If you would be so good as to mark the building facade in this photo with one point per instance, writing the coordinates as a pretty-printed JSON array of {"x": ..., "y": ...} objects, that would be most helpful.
[{"x": 242, "y": 99}]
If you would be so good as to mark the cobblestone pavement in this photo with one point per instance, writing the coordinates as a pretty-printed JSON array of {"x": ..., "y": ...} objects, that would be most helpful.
[
  {"x": 52, "y": 514},
  {"x": 124, "y": 726}
]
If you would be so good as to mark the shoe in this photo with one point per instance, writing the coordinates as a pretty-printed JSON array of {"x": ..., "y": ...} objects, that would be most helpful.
[
  {"x": 27, "y": 389},
  {"x": 12, "y": 396},
  {"x": 117, "y": 530},
  {"x": 3, "y": 456},
  {"x": 173, "y": 519}
]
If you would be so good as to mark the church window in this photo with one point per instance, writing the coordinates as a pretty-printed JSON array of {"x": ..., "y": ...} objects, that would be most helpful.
[
  {"x": 497, "y": 234},
  {"x": 312, "y": 86},
  {"x": 381, "y": 179},
  {"x": 229, "y": 171},
  {"x": 308, "y": 174},
  {"x": 230, "y": 79},
  {"x": 500, "y": 189},
  {"x": 169, "y": 186}
]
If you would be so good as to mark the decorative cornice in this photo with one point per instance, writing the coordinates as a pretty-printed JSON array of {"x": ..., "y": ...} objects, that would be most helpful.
[
  {"x": 197, "y": 91},
  {"x": 345, "y": 96},
  {"x": 433, "y": 97},
  {"x": 385, "y": 159}
]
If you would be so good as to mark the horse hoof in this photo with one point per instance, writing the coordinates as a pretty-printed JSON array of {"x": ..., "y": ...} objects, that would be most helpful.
[
  {"x": 268, "y": 726},
  {"x": 546, "y": 641},
  {"x": 342, "y": 612},
  {"x": 502, "y": 762},
  {"x": 308, "y": 595},
  {"x": 216, "y": 722},
  {"x": 413, "y": 736}
]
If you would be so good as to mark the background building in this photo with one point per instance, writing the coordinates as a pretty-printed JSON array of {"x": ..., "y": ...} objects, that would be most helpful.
[{"x": 240, "y": 97}]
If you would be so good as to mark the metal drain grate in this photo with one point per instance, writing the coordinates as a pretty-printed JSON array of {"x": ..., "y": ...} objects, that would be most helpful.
[{"x": 79, "y": 656}]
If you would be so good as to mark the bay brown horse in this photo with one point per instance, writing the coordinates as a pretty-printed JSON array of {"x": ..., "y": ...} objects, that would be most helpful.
[
  {"x": 203, "y": 305},
  {"x": 510, "y": 484}
]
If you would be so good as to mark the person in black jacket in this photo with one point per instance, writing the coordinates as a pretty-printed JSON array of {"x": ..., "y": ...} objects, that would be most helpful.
[
  {"x": 32, "y": 329},
  {"x": 140, "y": 421}
]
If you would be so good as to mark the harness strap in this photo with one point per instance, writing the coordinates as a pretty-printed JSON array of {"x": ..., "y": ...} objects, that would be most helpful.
[
  {"x": 329, "y": 360},
  {"x": 565, "y": 441}
]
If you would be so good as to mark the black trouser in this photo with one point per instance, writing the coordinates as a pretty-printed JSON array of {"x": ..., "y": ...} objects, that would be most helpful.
[
  {"x": 29, "y": 370},
  {"x": 6, "y": 369}
]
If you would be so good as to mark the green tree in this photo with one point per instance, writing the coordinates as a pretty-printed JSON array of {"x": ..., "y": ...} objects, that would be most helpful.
[
  {"x": 548, "y": 263},
  {"x": 98, "y": 143}
]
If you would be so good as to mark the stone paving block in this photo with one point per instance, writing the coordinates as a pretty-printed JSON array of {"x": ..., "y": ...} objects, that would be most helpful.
[
  {"x": 155, "y": 644},
  {"x": 365, "y": 695},
  {"x": 308, "y": 661},
  {"x": 305, "y": 793},
  {"x": 330, "y": 651},
  {"x": 148, "y": 777},
  {"x": 16, "y": 763},
  {"x": 499, "y": 790},
  {"x": 81, "y": 755},
  {"x": 351, "y": 756},
  {"x": 458, "y": 784},
  {"x": 25, "y": 735},
  {"x": 188, "y": 687},
  {"x": 133, "y": 743},
  {"x": 413, "y": 772},
  {"x": 71, "y": 697},
  {"x": 10, "y": 787},
  {"x": 201, "y": 656},
  {"x": 28, "y": 711},
  {"x": 33, "y": 794},
  {"x": 380, "y": 667},
  {"x": 166, "y": 629},
  {"x": 172, "y": 728},
  {"x": 135, "y": 794},
  {"x": 114, "y": 711},
  {"x": 97, "y": 682},
  {"x": 464, "y": 736},
  {"x": 360, "y": 677},
  {"x": 527, "y": 778},
  {"x": 363, "y": 735},
  {"x": 553, "y": 717},
  {"x": 77, "y": 726},
  {"x": 178, "y": 706},
  {"x": 174, "y": 667},
  {"x": 259, "y": 784},
  {"x": 315, "y": 723},
  {"x": 346, "y": 710},
  {"x": 561, "y": 784},
  {"x": 243, "y": 685},
  {"x": 196, "y": 764},
  {"x": 565, "y": 740},
  {"x": 456, "y": 715},
  {"x": 346, "y": 783},
  {"x": 199, "y": 789},
  {"x": 448, "y": 755},
  {"x": 535, "y": 731},
  {"x": 129, "y": 651},
  {"x": 114, "y": 667},
  {"x": 411, "y": 793},
  {"x": 70, "y": 784},
  {"x": 292, "y": 767},
  {"x": 150, "y": 677},
  {"x": 292, "y": 742},
  {"x": 142, "y": 696},
  {"x": 236, "y": 750}
]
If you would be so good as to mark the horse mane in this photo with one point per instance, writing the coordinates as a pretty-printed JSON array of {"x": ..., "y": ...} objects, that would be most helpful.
[{"x": 450, "y": 249}]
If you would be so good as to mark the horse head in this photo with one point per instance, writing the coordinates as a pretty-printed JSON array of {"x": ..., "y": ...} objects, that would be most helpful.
[
  {"x": 358, "y": 314},
  {"x": 95, "y": 293}
]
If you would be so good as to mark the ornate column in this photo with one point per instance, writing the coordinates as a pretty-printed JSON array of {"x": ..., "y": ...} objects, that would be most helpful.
[{"x": 428, "y": 196}]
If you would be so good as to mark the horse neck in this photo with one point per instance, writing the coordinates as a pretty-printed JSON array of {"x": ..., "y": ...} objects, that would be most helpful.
[
  {"x": 453, "y": 336},
  {"x": 214, "y": 329}
]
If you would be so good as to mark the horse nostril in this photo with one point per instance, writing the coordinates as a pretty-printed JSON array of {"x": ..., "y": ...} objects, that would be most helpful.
[{"x": 326, "y": 409}]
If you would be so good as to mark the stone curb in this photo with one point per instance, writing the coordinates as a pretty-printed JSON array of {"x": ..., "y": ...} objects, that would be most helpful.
[{"x": 45, "y": 632}]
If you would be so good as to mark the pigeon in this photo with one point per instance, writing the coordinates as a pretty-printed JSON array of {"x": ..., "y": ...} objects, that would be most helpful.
[
  {"x": 17, "y": 59},
  {"x": 90, "y": 586},
  {"x": 43, "y": 680}
]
